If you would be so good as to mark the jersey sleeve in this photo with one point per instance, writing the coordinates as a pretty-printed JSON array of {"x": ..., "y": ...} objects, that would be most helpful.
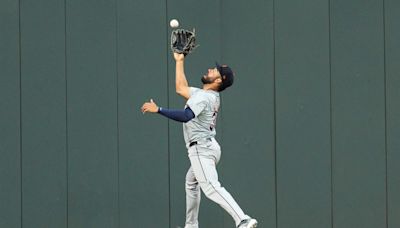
[{"x": 197, "y": 103}]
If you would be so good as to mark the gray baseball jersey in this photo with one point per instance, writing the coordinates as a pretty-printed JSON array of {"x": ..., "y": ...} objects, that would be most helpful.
[{"x": 205, "y": 105}]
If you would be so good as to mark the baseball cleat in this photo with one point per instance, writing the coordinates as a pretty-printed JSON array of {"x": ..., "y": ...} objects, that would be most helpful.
[{"x": 248, "y": 223}]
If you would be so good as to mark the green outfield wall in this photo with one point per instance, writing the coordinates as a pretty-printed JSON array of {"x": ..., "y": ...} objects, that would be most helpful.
[{"x": 310, "y": 130}]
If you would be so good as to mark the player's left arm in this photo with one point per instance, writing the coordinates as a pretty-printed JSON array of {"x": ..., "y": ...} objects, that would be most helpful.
[{"x": 174, "y": 114}]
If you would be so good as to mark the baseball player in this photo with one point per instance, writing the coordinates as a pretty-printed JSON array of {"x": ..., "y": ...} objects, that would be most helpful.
[{"x": 199, "y": 119}]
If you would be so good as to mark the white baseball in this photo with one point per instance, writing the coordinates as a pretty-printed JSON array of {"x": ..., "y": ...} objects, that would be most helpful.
[{"x": 174, "y": 23}]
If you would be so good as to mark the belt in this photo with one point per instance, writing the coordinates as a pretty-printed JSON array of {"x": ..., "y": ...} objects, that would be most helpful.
[{"x": 196, "y": 142}]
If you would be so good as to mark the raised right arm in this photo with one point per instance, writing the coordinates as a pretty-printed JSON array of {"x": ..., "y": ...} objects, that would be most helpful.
[{"x": 181, "y": 84}]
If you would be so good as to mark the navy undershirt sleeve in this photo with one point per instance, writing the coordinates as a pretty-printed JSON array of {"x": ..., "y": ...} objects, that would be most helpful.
[{"x": 178, "y": 115}]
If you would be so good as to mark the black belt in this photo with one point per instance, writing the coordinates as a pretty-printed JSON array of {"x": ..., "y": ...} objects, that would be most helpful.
[{"x": 195, "y": 142}]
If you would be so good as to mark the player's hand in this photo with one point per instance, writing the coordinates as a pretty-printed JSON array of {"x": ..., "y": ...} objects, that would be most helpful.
[
  {"x": 149, "y": 107},
  {"x": 179, "y": 57}
]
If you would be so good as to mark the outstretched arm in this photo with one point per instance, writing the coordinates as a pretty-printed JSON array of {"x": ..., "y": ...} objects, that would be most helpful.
[
  {"x": 178, "y": 115},
  {"x": 181, "y": 84}
]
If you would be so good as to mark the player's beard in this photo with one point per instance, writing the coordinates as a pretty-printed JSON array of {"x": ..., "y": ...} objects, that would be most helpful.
[{"x": 207, "y": 80}]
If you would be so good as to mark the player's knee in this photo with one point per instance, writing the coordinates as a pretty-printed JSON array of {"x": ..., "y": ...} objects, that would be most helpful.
[{"x": 192, "y": 185}]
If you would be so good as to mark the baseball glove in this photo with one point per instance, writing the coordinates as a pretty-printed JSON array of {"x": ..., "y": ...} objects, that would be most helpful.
[{"x": 183, "y": 41}]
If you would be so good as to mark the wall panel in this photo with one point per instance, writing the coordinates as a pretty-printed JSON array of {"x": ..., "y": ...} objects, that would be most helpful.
[
  {"x": 303, "y": 140},
  {"x": 10, "y": 148},
  {"x": 92, "y": 114},
  {"x": 44, "y": 179},
  {"x": 246, "y": 123},
  {"x": 143, "y": 139},
  {"x": 358, "y": 114},
  {"x": 392, "y": 50}
]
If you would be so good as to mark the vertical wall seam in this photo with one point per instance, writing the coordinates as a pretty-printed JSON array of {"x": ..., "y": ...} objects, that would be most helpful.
[
  {"x": 385, "y": 112},
  {"x": 168, "y": 125},
  {"x": 220, "y": 15},
  {"x": 20, "y": 112},
  {"x": 275, "y": 120},
  {"x": 66, "y": 111},
  {"x": 330, "y": 106},
  {"x": 117, "y": 97}
]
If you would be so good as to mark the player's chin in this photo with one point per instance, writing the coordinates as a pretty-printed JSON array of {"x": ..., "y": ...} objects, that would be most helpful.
[{"x": 206, "y": 80}]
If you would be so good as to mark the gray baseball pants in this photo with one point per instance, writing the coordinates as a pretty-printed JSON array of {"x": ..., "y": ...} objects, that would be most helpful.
[{"x": 203, "y": 175}]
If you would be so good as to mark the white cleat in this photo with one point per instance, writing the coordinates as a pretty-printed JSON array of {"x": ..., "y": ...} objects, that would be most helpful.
[{"x": 248, "y": 223}]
